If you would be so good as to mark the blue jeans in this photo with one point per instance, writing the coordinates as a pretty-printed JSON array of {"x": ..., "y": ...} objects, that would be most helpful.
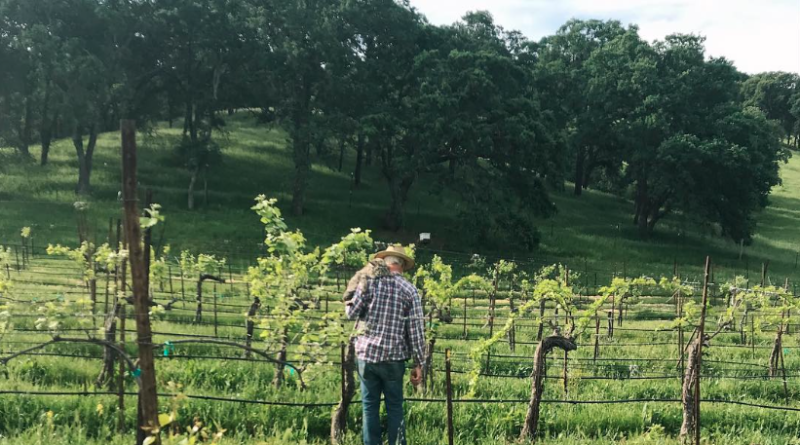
[{"x": 386, "y": 378}]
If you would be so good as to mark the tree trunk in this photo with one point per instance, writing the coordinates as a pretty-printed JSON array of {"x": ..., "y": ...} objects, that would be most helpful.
[
  {"x": 339, "y": 417},
  {"x": 301, "y": 144},
  {"x": 642, "y": 207},
  {"x": 589, "y": 165},
  {"x": 170, "y": 108},
  {"x": 205, "y": 187},
  {"x": 579, "y": 164},
  {"x": 655, "y": 215},
  {"x": 187, "y": 118},
  {"x": 24, "y": 131},
  {"x": 84, "y": 158},
  {"x": 537, "y": 381},
  {"x": 341, "y": 154},
  {"x": 193, "y": 113},
  {"x": 370, "y": 148},
  {"x": 46, "y": 135},
  {"x": 398, "y": 189},
  {"x": 359, "y": 159},
  {"x": 192, "y": 182},
  {"x": 394, "y": 217},
  {"x": 301, "y": 168}
]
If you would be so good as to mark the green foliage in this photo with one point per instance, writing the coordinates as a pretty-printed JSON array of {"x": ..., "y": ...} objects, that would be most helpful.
[
  {"x": 82, "y": 256},
  {"x": 437, "y": 281},
  {"x": 159, "y": 267},
  {"x": 277, "y": 280},
  {"x": 6, "y": 255},
  {"x": 52, "y": 315},
  {"x": 541, "y": 289},
  {"x": 775, "y": 93},
  {"x": 770, "y": 305},
  {"x": 632, "y": 288},
  {"x": 352, "y": 251},
  {"x": 152, "y": 217},
  {"x": 196, "y": 265}
]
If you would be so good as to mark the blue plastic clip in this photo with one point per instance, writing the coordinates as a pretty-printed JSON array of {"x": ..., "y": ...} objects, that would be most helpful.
[{"x": 168, "y": 346}]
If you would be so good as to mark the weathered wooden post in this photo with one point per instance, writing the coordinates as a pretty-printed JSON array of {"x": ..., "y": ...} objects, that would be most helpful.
[
  {"x": 681, "y": 348},
  {"x": 540, "y": 332},
  {"x": 250, "y": 324},
  {"x": 537, "y": 385},
  {"x": 230, "y": 277},
  {"x": 183, "y": 289},
  {"x": 596, "y": 336},
  {"x": 464, "y": 330},
  {"x": 148, "y": 396},
  {"x": 215, "y": 314},
  {"x": 121, "y": 374},
  {"x": 169, "y": 272},
  {"x": 449, "y": 390},
  {"x": 198, "y": 315},
  {"x": 339, "y": 417},
  {"x": 691, "y": 383}
]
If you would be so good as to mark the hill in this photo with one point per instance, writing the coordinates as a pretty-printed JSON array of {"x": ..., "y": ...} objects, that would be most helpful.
[{"x": 592, "y": 233}]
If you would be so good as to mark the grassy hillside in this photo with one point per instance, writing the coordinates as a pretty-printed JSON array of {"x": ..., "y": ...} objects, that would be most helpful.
[{"x": 592, "y": 233}]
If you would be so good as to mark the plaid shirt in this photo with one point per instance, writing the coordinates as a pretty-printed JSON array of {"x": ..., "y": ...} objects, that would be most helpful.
[{"x": 393, "y": 326}]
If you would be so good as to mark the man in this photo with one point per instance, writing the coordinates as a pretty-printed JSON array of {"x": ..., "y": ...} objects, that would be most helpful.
[{"x": 391, "y": 331}]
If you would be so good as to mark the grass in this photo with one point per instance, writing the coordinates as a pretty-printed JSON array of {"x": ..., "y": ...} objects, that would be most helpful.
[
  {"x": 77, "y": 419},
  {"x": 584, "y": 234},
  {"x": 591, "y": 233}
]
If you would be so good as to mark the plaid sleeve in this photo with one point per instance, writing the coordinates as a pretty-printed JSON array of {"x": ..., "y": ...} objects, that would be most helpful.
[{"x": 416, "y": 328}]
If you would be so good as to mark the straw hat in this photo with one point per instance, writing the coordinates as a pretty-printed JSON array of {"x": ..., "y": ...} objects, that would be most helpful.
[{"x": 399, "y": 252}]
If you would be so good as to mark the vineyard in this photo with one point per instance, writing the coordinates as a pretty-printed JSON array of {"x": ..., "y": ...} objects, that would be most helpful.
[
  {"x": 206, "y": 206},
  {"x": 256, "y": 352}
]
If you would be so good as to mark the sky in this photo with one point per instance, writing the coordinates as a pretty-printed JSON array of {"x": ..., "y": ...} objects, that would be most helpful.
[{"x": 757, "y": 35}]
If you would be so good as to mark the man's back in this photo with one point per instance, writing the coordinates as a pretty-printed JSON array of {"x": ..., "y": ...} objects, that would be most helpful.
[{"x": 392, "y": 328}]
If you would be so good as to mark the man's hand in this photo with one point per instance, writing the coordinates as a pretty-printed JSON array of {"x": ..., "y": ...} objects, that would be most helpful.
[{"x": 416, "y": 375}]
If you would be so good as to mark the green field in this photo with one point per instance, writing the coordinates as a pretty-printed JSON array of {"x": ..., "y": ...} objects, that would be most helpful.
[
  {"x": 591, "y": 233},
  {"x": 639, "y": 362}
]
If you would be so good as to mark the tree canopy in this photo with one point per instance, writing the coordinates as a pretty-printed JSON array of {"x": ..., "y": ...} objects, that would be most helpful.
[{"x": 495, "y": 119}]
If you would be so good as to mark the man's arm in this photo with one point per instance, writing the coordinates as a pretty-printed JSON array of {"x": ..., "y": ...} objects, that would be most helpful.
[
  {"x": 353, "y": 307},
  {"x": 416, "y": 331}
]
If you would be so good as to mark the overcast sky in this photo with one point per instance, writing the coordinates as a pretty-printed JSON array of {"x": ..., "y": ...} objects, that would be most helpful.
[{"x": 757, "y": 35}]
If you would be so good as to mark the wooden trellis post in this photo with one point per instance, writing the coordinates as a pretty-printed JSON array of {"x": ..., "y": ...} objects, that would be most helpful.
[
  {"x": 449, "y": 390},
  {"x": 148, "y": 396},
  {"x": 464, "y": 331},
  {"x": 690, "y": 427},
  {"x": 596, "y": 336}
]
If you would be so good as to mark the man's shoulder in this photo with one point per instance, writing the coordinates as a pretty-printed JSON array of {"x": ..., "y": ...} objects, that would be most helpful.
[
  {"x": 404, "y": 284},
  {"x": 398, "y": 280}
]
